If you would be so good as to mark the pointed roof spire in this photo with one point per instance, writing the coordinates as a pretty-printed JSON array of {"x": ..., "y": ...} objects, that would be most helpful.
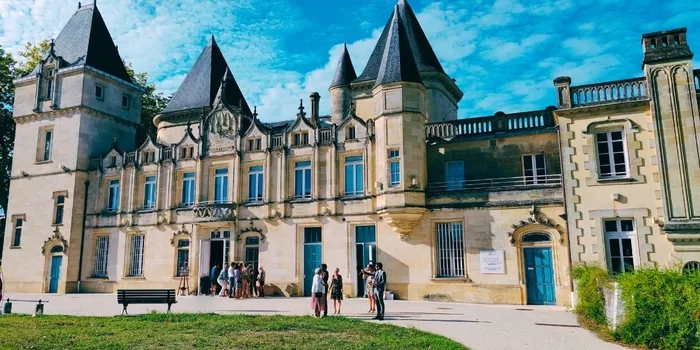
[
  {"x": 301, "y": 108},
  {"x": 345, "y": 72},
  {"x": 422, "y": 52},
  {"x": 209, "y": 76},
  {"x": 398, "y": 63},
  {"x": 86, "y": 40}
]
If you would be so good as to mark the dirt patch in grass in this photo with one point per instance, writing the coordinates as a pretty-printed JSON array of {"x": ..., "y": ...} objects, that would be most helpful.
[{"x": 187, "y": 331}]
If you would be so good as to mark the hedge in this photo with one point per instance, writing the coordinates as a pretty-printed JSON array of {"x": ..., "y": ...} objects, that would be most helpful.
[{"x": 661, "y": 306}]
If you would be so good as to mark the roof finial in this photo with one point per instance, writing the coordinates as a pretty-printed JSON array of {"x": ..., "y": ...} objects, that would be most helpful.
[
  {"x": 301, "y": 108},
  {"x": 79, "y": 5},
  {"x": 51, "y": 46},
  {"x": 255, "y": 112}
]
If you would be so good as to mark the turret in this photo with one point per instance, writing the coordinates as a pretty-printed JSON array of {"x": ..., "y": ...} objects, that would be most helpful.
[{"x": 340, "y": 87}]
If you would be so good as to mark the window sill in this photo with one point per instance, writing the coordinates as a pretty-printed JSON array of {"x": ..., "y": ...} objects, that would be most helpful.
[
  {"x": 183, "y": 207},
  {"x": 255, "y": 203},
  {"x": 97, "y": 278},
  {"x": 16, "y": 247},
  {"x": 134, "y": 278},
  {"x": 110, "y": 212},
  {"x": 301, "y": 200},
  {"x": 617, "y": 179},
  {"x": 451, "y": 279},
  {"x": 300, "y": 146},
  {"x": 352, "y": 140},
  {"x": 146, "y": 210},
  {"x": 43, "y": 161},
  {"x": 56, "y": 225}
]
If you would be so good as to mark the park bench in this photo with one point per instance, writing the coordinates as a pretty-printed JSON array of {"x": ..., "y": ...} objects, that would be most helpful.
[{"x": 145, "y": 296}]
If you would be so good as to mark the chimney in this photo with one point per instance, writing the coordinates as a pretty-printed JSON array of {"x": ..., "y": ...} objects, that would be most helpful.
[{"x": 315, "y": 98}]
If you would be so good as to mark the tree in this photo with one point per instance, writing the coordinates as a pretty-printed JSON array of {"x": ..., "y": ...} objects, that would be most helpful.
[
  {"x": 7, "y": 130},
  {"x": 33, "y": 54},
  {"x": 151, "y": 104}
]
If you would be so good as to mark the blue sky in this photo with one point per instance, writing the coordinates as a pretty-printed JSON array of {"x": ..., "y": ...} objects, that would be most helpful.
[{"x": 503, "y": 54}]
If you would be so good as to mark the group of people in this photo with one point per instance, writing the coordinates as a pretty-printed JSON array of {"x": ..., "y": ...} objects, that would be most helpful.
[
  {"x": 238, "y": 280},
  {"x": 375, "y": 284}
]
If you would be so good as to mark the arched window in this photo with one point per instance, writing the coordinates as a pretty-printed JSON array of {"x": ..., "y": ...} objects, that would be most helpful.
[
  {"x": 536, "y": 237},
  {"x": 691, "y": 266},
  {"x": 57, "y": 249}
]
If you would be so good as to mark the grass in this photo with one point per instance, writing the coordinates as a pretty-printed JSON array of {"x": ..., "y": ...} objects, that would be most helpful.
[{"x": 188, "y": 331}]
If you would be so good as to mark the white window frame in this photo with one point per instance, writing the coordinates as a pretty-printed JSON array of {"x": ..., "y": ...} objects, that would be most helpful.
[
  {"x": 353, "y": 162},
  {"x": 113, "y": 195},
  {"x": 611, "y": 155},
  {"x": 451, "y": 181},
  {"x": 188, "y": 189},
  {"x": 255, "y": 194},
  {"x": 222, "y": 192},
  {"x": 449, "y": 252},
  {"x": 136, "y": 255},
  {"x": 617, "y": 236},
  {"x": 351, "y": 133},
  {"x": 48, "y": 145},
  {"x": 539, "y": 175},
  {"x": 149, "y": 192},
  {"x": 305, "y": 170},
  {"x": 49, "y": 89},
  {"x": 178, "y": 268},
  {"x": 17, "y": 228},
  {"x": 101, "y": 256},
  {"x": 59, "y": 210},
  {"x": 394, "y": 156}
]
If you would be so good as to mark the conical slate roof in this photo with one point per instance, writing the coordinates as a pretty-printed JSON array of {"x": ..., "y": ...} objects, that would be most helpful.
[
  {"x": 423, "y": 54},
  {"x": 85, "y": 39},
  {"x": 398, "y": 63},
  {"x": 345, "y": 73},
  {"x": 201, "y": 85}
]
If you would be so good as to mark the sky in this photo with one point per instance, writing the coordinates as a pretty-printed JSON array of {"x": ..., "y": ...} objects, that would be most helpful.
[{"x": 503, "y": 54}]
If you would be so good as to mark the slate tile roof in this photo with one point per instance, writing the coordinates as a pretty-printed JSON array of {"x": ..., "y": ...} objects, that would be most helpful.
[
  {"x": 345, "y": 72},
  {"x": 423, "y": 54},
  {"x": 85, "y": 39},
  {"x": 398, "y": 63},
  {"x": 202, "y": 83}
]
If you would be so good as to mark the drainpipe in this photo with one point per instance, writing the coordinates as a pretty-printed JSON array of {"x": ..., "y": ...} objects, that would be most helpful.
[
  {"x": 566, "y": 211},
  {"x": 82, "y": 235}
]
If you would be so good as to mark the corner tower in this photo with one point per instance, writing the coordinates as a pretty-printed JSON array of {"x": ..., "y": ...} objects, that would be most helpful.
[
  {"x": 340, "y": 87},
  {"x": 399, "y": 116},
  {"x": 76, "y": 104},
  {"x": 674, "y": 103}
]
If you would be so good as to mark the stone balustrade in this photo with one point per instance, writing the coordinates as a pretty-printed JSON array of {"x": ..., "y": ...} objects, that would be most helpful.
[
  {"x": 498, "y": 123},
  {"x": 326, "y": 136},
  {"x": 277, "y": 141},
  {"x": 609, "y": 92}
]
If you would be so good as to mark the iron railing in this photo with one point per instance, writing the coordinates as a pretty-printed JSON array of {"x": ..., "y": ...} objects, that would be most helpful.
[{"x": 520, "y": 182}]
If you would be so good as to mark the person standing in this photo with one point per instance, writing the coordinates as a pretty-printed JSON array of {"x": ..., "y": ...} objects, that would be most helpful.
[
  {"x": 368, "y": 275},
  {"x": 245, "y": 278},
  {"x": 237, "y": 281},
  {"x": 318, "y": 289},
  {"x": 253, "y": 280},
  {"x": 379, "y": 287},
  {"x": 324, "y": 276},
  {"x": 213, "y": 274},
  {"x": 261, "y": 283},
  {"x": 231, "y": 280},
  {"x": 222, "y": 280},
  {"x": 337, "y": 291}
]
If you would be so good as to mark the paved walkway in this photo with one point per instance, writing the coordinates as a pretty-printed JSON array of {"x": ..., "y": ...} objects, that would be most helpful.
[{"x": 477, "y": 326}]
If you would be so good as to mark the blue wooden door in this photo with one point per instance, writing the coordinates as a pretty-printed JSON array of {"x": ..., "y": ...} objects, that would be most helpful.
[
  {"x": 539, "y": 276},
  {"x": 312, "y": 256},
  {"x": 365, "y": 252},
  {"x": 55, "y": 273}
]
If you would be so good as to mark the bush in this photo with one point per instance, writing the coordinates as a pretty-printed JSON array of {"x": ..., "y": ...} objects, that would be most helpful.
[
  {"x": 592, "y": 282},
  {"x": 662, "y": 309}
]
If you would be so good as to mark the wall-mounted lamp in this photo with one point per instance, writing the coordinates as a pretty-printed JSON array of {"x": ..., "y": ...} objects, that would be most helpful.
[
  {"x": 378, "y": 185},
  {"x": 64, "y": 168},
  {"x": 615, "y": 196},
  {"x": 24, "y": 173}
]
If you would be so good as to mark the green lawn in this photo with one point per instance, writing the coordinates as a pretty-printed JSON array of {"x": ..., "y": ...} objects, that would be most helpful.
[{"x": 189, "y": 331}]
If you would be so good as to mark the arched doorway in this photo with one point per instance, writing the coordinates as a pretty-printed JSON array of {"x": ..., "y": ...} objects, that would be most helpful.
[
  {"x": 538, "y": 268},
  {"x": 54, "y": 249}
]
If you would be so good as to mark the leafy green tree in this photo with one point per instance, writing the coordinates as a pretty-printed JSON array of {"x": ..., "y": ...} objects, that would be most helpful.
[
  {"x": 7, "y": 130},
  {"x": 151, "y": 104},
  {"x": 32, "y": 54}
]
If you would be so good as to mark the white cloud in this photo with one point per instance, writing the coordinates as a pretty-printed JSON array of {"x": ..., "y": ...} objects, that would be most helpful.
[
  {"x": 504, "y": 51},
  {"x": 583, "y": 46}
]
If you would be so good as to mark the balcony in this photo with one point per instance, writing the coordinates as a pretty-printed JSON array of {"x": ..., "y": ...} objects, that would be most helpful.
[
  {"x": 498, "y": 184},
  {"x": 497, "y": 124},
  {"x": 214, "y": 211}
]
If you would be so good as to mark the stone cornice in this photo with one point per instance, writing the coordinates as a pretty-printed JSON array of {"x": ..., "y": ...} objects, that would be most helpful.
[{"x": 63, "y": 112}]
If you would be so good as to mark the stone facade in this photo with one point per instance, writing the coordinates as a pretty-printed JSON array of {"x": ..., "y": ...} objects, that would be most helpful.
[{"x": 489, "y": 210}]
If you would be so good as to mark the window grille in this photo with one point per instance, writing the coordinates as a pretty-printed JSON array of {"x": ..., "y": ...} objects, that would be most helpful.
[
  {"x": 101, "y": 255},
  {"x": 136, "y": 266},
  {"x": 450, "y": 249}
]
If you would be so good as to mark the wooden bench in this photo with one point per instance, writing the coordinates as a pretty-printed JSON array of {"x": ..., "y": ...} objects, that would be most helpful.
[{"x": 145, "y": 296}]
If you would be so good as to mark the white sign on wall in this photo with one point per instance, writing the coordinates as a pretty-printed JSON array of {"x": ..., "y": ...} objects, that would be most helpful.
[{"x": 493, "y": 261}]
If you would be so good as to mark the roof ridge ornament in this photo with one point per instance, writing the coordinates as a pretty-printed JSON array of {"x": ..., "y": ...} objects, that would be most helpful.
[{"x": 301, "y": 108}]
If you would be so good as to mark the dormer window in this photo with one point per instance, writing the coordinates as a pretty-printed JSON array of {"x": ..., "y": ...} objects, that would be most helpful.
[
  {"x": 187, "y": 152},
  {"x": 113, "y": 161},
  {"x": 351, "y": 133},
  {"x": 99, "y": 92},
  {"x": 301, "y": 138},
  {"x": 125, "y": 101},
  {"x": 254, "y": 144},
  {"x": 148, "y": 157}
]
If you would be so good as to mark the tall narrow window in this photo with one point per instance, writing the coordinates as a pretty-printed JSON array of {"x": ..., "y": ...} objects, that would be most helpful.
[
  {"x": 17, "y": 238},
  {"x": 113, "y": 198},
  {"x": 354, "y": 176},
  {"x": 394, "y": 168},
  {"x": 621, "y": 242},
  {"x": 612, "y": 157},
  {"x": 99, "y": 92},
  {"x": 534, "y": 169},
  {"x": 255, "y": 184},
  {"x": 302, "y": 180},
  {"x": 351, "y": 133},
  {"x": 304, "y": 138},
  {"x": 221, "y": 185},
  {"x": 60, "y": 202},
  {"x": 136, "y": 261},
  {"x": 252, "y": 250},
  {"x": 251, "y": 145},
  {"x": 454, "y": 175},
  {"x": 149, "y": 192},
  {"x": 449, "y": 239},
  {"x": 49, "y": 89},
  {"x": 188, "y": 189},
  {"x": 258, "y": 144},
  {"x": 297, "y": 139},
  {"x": 183, "y": 256},
  {"x": 125, "y": 101},
  {"x": 48, "y": 139},
  {"x": 101, "y": 255}
]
